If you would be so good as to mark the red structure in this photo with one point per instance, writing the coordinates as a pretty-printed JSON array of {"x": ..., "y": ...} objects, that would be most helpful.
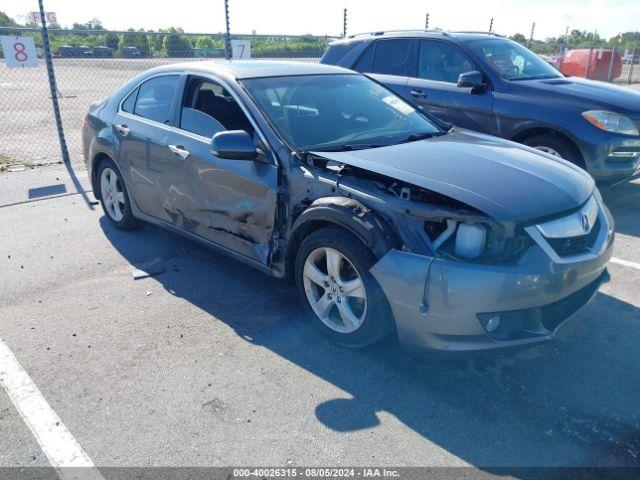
[{"x": 594, "y": 64}]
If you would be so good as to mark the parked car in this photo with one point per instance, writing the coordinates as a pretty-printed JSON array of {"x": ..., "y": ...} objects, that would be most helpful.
[
  {"x": 103, "y": 52},
  {"x": 629, "y": 59},
  {"x": 387, "y": 220},
  {"x": 131, "y": 52},
  {"x": 494, "y": 85},
  {"x": 69, "y": 51}
]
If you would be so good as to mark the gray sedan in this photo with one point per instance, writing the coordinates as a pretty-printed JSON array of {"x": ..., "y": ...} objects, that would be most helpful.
[{"x": 387, "y": 220}]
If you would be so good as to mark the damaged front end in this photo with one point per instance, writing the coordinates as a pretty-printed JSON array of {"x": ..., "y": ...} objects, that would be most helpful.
[{"x": 460, "y": 280}]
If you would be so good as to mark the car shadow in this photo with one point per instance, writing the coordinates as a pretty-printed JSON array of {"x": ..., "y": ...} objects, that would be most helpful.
[
  {"x": 624, "y": 202},
  {"x": 572, "y": 402}
]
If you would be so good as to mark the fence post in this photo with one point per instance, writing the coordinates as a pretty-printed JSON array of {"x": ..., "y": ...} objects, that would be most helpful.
[
  {"x": 227, "y": 35},
  {"x": 344, "y": 23},
  {"x": 610, "y": 74},
  {"x": 53, "y": 86},
  {"x": 633, "y": 60},
  {"x": 586, "y": 73}
]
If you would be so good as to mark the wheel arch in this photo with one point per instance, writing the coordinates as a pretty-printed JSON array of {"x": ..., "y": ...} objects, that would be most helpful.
[
  {"x": 346, "y": 213},
  {"x": 533, "y": 131},
  {"x": 96, "y": 161}
]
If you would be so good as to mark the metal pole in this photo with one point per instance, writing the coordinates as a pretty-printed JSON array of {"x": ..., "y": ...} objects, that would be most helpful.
[
  {"x": 586, "y": 73},
  {"x": 426, "y": 22},
  {"x": 633, "y": 59},
  {"x": 533, "y": 27},
  {"x": 53, "y": 86},
  {"x": 610, "y": 74},
  {"x": 227, "y": 35},
  {"x": 490, "y": 26},
  {"x": 344, "y": 23}
]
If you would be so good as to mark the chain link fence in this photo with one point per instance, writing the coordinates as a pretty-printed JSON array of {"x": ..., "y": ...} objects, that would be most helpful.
[{"x": 90, "y": 64}]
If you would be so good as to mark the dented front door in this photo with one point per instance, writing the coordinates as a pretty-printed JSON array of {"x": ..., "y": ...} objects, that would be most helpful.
[{"x": 229, "y": 202}]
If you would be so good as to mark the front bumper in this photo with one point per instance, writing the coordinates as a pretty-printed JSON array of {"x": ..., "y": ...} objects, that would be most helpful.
[
  {"x": 609, "y": 158},
  {"x": 439, "y": 305}
]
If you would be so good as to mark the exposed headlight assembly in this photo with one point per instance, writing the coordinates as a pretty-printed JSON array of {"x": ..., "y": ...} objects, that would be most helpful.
[
  {"x": 611, "y": 122},
  {"x": 475, "y": 241}
]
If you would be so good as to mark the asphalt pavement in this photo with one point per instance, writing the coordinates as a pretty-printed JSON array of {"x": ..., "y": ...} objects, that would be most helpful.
[{"x": 211, "y": 363}]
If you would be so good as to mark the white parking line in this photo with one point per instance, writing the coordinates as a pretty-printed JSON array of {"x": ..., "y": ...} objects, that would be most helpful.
[
  {"x": 625, "y": 263},
  {"x": 58, "y": 444}
]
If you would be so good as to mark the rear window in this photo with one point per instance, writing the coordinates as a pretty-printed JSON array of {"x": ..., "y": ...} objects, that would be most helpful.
[
  {"x": 155, "y": 97},
  {"x": 336, "y": 52}
]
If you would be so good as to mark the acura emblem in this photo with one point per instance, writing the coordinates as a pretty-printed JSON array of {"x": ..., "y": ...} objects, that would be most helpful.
[{"x": 585, "y": 223}]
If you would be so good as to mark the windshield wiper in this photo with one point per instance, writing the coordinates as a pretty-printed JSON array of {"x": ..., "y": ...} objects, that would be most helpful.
[
  {"x": 414, "y": 137},
  {"x": 346, "y": 148}
]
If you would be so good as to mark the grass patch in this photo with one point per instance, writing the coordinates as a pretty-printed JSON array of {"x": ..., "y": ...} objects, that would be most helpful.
[{"x": 5, "y": 162}]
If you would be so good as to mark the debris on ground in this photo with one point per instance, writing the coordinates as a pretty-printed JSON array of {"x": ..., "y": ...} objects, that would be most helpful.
[{"x": 148, "y": 269}]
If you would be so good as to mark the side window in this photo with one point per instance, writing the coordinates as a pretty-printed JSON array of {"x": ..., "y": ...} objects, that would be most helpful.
[
  {"x": 130, "y": 101},
  {"x": 442, "y": 61},
  {"x": 155, "y": 97},
  {"x": 365, "y": 64},
  {"x": 207, "y": 108},
  {"x": 391, "y": 56}
]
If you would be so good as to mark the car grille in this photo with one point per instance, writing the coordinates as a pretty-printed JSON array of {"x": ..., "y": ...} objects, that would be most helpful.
[{"x": 569, "y": 246}]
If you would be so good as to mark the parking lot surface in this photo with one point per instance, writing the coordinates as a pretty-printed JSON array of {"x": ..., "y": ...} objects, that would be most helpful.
[{"x": 211, "y": 363}]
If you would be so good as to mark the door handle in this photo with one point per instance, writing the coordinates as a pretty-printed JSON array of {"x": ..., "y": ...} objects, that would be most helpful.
[
  {"x": 418, "y": 93},
  {"x": 123, "y": 130},
  {"x": 180, "y": 151}
]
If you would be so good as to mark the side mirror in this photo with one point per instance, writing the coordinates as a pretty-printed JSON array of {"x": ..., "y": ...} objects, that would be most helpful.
[
  {"x": 233, "y": 145},
  {"x": 473, "y": 80}
]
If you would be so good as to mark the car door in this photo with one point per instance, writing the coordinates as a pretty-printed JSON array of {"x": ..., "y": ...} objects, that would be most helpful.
[
  {"x": 229, "y": 202},
  {"x": 433, "y": 85},
  {"x": 387, "y": 61},
  {"x": 142, "y": 130}
]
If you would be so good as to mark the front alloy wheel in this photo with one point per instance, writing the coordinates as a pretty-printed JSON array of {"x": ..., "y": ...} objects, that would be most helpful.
[
  {"x": 334, "y": 282},
  {"x": 335, "y": 290}
]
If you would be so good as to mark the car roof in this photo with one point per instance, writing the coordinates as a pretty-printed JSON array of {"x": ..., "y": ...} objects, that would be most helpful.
[
  {"x": 241, "y": 69},
  {"x": 460, "y": 36}
]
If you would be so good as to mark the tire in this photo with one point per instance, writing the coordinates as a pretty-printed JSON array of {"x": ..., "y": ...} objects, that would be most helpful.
[
  {"x": 371, "y": 318},
  {"x": 555, "y": 146},
  {"x": 114, "y": 197}
]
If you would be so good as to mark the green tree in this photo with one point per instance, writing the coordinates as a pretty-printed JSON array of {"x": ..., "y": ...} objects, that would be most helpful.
[
  {"x": 138, "y": 40},
  {"x": 177, "y": 46},
  {"x": 111, "y": 40},
  {"x": 7, "y": 21},
  {"x": 520, "y": 38},
  {"x": 205, "y": 42}
]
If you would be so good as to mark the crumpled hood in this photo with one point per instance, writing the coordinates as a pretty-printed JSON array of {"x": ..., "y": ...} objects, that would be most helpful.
[
  {"x": 506, "y": 180},
  {"x": 582, "y": 92}
]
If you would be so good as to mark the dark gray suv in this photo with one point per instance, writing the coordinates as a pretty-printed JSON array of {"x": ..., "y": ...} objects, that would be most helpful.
[
  {"x": 386, "y": 222},
  {"x": 494, "y": 85}
]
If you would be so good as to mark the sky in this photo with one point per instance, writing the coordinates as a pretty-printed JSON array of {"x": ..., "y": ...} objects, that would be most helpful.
[{"x": 324, "y": 17}]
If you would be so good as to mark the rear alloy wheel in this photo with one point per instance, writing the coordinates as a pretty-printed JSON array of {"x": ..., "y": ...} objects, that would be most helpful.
[
  {"x": 114, "y": 197},
  {"x": 334, "y": 283}
]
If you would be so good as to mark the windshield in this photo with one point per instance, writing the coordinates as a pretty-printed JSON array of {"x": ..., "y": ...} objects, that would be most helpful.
[
  {"x": 512, "y": 61},
  {"x": 342, "y": 111}
]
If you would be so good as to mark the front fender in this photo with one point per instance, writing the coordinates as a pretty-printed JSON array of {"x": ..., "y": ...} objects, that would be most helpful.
[{"x": 349, "y": 214}]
